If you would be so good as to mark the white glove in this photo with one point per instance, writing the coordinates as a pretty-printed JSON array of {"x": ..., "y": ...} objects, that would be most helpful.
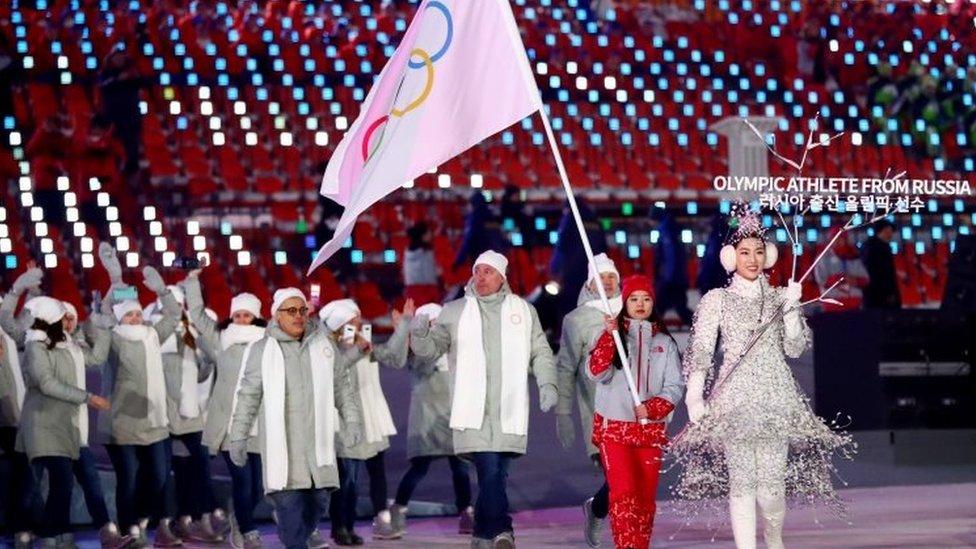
[
  {"x": 792, "y": 294},
  {"x": 153, "y": 280},
  {"x": 791, "y": 305},
  {"x": 109, "y": 259},
  {"x": 28, "y": 280},
  {"x": 548, "y": 396},
  {"x": 238, "y": 452},
  {"x": 694, "y": 399}
]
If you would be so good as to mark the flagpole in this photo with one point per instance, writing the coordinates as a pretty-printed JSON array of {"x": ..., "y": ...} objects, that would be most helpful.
[{"x": 621, "y": 350}]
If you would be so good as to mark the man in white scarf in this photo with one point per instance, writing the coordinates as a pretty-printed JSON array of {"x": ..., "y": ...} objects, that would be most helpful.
[
  {"x": 580, "y": 328},
  {"x": 493, "y": 340},
  {"x": 290, "y": 384}
]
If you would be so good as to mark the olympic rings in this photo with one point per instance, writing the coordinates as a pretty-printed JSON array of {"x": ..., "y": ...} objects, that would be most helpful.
[
  {"x": 428, "y": 85},
  {"x": 447, "y": 40},
  {"x": 427, "y": 62},
  {"x": 369, "y": 134}
]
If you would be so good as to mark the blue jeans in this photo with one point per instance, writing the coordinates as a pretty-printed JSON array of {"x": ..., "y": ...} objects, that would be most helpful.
[
  {"x": 247, "y": 487},
  {"x": 418, "y": 470},
  {"x": 141, "y": 473},
  {"x": 491, "y": 508},
  {"x": 57, "y": 508},
  {"x": 342, "y": 507},
  {"x": 20, "y": 485},
  {"x": 194, "y": 488},
  {"x": 298, "y": 513},
  {"x": 91, "y": 486}
]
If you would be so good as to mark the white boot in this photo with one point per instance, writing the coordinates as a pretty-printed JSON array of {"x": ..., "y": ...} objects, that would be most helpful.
[
  {"x": 742, "y": 512},
  {"x": 773, "y": 508}
]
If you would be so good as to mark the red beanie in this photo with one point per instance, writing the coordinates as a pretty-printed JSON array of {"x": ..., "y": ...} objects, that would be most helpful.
[{"x": 637, "y": 283}]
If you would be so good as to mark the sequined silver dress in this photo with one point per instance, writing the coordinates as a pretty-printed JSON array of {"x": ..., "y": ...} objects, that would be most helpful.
[{"x": 759, "y": 433}]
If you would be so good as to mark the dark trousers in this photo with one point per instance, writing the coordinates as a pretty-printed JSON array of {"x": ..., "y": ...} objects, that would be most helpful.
[
  {"x": 418, "y": 470},
  {"x": 342, "y": 508},
  {"x": 91, "y": 486},
  {"x": 191, "y": 474},
  {"x": 491, "y": 508},
  {"x": 298, "y": 513},
  {"x": 20, "y": 485},
  {"x": 601, "y": 501},
  {"x": 247, "y": 488},
  {"x": 141, "y": 473},
  {"x": 57, "y": 507}
]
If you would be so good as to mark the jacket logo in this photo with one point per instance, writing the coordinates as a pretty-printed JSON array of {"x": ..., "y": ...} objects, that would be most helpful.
[
  {"x": 658, "y": 349},
  {"x": 516, "y": 319}
]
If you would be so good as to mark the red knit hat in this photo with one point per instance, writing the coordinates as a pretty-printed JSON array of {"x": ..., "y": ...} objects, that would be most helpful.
[{"x": 637, "y": 283}]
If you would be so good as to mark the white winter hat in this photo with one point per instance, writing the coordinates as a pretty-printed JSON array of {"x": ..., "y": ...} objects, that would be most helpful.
[
  {"x": 246, "y": 302},
  {"x": 284, "y": 295},
  {"x": 336, "y": 313},
  {"x": 492, "y": 259},
  {"x": 124, "y": 308},
  {"x": 430, "y": 310},
  {"x": 46, "y": 309},
  {"x": 70, "y": 309},
  {"x": 603, "y": 265}
]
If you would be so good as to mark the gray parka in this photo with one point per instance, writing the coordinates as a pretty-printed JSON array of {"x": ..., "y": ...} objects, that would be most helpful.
[
  {"x": 49, "y": 422},
  {"x": 390, "y": 354},
  {"x": 9, "y": 412},
  {"x": 229, "y": 363},
  {"x": 303, "y": 471},
  {"x": 580, "y": 326},
  {"x": 126, "y": 371},
  {"x": 441, "y": 338}
]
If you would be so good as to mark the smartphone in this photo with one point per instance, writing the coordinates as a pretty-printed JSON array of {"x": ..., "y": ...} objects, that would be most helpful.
[
  {"x": 316, "y": 292},
  {"x": 186, "y": 263},
  {"x": 126, "y": 293},
  {"x": 348, "y": 333},
  {"x": 367, "y": 331}
]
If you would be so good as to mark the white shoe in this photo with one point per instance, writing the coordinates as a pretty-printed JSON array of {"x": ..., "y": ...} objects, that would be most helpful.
[
  {"x": 592, "y": 526},
  {"x": 383, "y": 526}
]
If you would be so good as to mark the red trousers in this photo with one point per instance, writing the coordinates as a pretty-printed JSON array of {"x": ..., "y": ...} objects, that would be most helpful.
[{"x": 632, "y": 473}]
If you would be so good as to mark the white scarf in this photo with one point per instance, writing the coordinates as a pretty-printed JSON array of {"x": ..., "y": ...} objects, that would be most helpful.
[
  {"x": 239, "y": 333},
  {"x": 616, "y": 305},
  {"x": 471, "y": 376},
  {"x": 155, "y": 382},
  {"x": 275, "y": 456},
  {"x": 13, "y": 361},
  {"x": 377, "y": 421},
  {"x": 79, "y": 361}
]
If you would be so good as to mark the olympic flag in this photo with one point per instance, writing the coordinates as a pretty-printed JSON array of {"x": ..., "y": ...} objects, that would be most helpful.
[{"x": 459, "y": 75}]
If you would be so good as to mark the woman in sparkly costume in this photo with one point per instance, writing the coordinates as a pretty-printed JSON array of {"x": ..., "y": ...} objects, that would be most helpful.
[{"x": 755, "y": 440}]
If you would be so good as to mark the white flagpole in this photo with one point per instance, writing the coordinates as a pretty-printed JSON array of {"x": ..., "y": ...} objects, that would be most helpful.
[{"x": 621, "y": 350}]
